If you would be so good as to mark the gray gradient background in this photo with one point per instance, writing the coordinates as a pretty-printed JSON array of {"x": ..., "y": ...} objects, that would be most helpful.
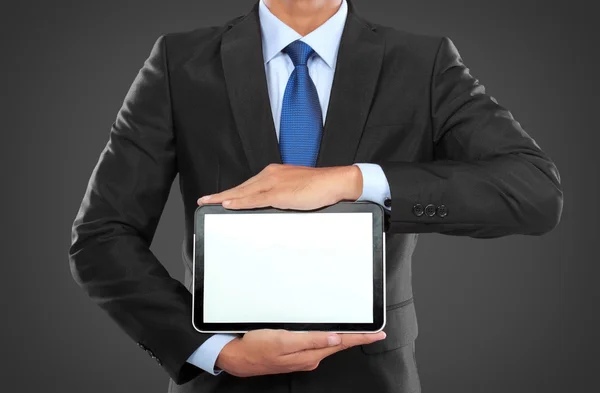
[{"x": 517, "y": 314}]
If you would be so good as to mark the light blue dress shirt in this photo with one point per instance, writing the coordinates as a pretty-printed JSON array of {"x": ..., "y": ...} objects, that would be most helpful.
[{"x": 325, "y": 40}]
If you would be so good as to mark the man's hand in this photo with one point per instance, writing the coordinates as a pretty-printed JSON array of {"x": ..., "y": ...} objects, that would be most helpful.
[
  {"x": 268, "y": 351},
  {"x": 286, "y": 186}
]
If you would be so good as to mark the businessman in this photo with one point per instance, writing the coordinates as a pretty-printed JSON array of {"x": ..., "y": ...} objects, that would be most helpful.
[{"x": 300, "y": 104}]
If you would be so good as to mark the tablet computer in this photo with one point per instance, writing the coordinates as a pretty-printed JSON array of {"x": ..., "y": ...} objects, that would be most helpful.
[{"x": 308, "y": 270}]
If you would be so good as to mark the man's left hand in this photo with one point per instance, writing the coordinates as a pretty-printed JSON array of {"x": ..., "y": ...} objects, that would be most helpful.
[{"x": 286, "y": 186}]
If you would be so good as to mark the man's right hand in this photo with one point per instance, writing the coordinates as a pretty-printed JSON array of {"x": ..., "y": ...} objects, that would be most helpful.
[{"x": 269, "y": 351}]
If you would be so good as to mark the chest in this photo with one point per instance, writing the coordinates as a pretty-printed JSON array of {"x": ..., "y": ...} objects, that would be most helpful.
[{"x": 210, "y": 138}]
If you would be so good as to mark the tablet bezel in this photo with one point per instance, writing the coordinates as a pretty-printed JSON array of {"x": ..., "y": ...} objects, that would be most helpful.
[{"x": 379, "y": 301}]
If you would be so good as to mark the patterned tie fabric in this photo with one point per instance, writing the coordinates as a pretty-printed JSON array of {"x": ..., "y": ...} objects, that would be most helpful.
[{"x": 301, "y": 123}]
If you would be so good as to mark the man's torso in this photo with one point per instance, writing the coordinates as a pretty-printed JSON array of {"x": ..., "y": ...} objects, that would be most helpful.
[{"x": 379, "y": 111}]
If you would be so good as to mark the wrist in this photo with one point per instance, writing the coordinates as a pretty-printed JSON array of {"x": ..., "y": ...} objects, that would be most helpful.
[
  {"x": 351, "y": 182},
  {"x": 228, "y": 355}
]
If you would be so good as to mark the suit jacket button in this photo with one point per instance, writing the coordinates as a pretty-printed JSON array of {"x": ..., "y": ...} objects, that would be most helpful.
[
  {"x": 430, "y": 210},
  {"x": 442, "y": 211},
  {"x": 418, "y": 210},
  {"x": 387, "y": 202}
]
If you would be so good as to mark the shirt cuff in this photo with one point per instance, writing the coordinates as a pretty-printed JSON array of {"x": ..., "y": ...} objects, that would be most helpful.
[
  {"x": 206, "y": 355},
  {"x": 375, "y": 185}
]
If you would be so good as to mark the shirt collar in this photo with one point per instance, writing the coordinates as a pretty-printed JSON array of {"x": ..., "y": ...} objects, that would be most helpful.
[{"x": 325, "y": 40}]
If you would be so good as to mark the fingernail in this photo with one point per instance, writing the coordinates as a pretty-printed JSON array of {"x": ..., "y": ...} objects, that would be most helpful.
[
  {"x": 383, "y": 335},
  {"x": 225, "y": 203},
  {"x": 205, "y": 198},
  {"x": 334, "y": 339}
]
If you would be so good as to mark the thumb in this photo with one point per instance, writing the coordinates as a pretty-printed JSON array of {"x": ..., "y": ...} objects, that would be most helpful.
[{"x": 300, "y": 341}]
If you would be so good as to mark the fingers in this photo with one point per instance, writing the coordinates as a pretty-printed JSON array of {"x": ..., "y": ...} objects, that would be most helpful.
[
  {"x": 236, "y": 192},
  {"x": 245, "y": 188},
  {"x": 353, "y": 339},
  {"x": 309, "y": 359},
  {"x": 279, "y": 351},
  {"x": 262, "y": 199},
  {"x": 256, "y": 184},
  {"x": 350, "y": 340},
  {"x": 296, "y": 341}
]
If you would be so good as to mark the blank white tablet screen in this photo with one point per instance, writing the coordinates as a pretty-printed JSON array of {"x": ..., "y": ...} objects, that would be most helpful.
[{"x": 288, "y": 267}]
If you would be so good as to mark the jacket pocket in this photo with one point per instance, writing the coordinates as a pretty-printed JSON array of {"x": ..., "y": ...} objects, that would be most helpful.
[{"x": 400, "y": 327}]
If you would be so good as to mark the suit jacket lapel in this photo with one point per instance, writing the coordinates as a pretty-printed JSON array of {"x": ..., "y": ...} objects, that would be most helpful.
[
  {"x": 358, "y": 65},
  {"x": 243, "y": 66},
  {"x": 359, "y": 62}
]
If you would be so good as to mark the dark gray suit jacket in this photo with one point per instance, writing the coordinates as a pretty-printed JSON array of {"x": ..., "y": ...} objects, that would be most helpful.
[{"x": 456, "y": 161}]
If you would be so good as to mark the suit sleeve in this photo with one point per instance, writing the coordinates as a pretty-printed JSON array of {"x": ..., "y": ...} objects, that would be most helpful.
[
  {"x": 488, "y": 179},
  {"x": 110, "y": 255}
]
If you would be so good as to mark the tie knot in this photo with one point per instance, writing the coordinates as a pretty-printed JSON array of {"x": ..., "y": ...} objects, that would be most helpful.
[{"x": 299, "y": 52}]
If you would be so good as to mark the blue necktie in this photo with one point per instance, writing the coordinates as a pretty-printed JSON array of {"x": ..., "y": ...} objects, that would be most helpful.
[{"x": 301, "y": 123}]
